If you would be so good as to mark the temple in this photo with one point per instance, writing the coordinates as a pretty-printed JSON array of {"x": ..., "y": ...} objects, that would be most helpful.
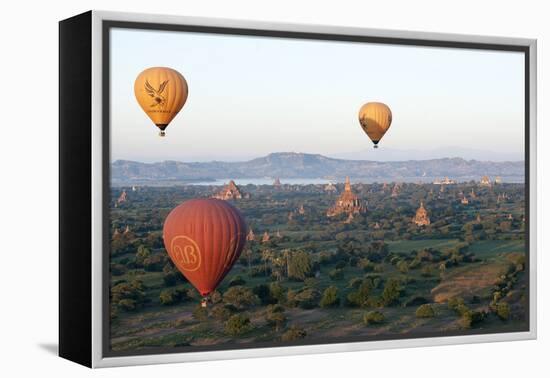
[
  {"x": 266, "y": 237},
  {"x": 330, "y": 188},
  {"x": 250, "y": 236},
  {"x": 421, "y": 218},
  {"x": 502, "y": 197},
  {"x": 485, "y": 181},
  {"x": 229, "y": 192},
  {"x": 445, "y": 181},
  {"x": 347, "y": 203},
  {"x": 349, "y": 219},
  {"x": 395, "y": 191},
  {"x": 122, "y": 198}
]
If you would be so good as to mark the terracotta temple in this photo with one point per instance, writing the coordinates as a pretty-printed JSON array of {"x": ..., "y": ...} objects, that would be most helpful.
[{"x": 348, "y": 203}]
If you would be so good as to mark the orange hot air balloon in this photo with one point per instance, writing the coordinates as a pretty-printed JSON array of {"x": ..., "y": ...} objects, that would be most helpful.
[
  {"x": 161, "y": 92},
  {"x": 375, "y": 119},
  {"x": 204, "y": 238}
]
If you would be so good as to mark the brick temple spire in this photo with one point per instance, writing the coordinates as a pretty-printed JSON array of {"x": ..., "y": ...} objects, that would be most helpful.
[
  {"x": 347, "y": 203},
  {"x": 421, "y": 218},
  {"x": 229, "y": 192}
]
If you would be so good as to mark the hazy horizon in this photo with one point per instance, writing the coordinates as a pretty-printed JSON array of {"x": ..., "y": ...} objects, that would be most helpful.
[
  {"x": 251, "y": 96},
  {"x": 244, "y": 159}
]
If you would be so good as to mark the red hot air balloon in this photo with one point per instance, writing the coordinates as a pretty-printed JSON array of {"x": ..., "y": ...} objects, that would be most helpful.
[{"x": 204, "y": 238}]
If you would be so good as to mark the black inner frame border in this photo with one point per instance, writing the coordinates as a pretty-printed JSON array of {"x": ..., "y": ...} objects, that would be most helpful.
[{"x": 107, "y": 25}]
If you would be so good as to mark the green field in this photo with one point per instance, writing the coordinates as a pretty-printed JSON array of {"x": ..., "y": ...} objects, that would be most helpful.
[{"x": 378, "y": 275}]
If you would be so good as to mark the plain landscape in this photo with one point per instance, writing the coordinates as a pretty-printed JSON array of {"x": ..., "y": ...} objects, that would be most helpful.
[{"x": 310, "y": 271}]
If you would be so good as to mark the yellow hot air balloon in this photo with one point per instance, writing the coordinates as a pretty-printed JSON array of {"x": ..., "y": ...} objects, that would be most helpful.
[
  {"x": 375, "y": 119},
  {"x": 161, "y": 92}
]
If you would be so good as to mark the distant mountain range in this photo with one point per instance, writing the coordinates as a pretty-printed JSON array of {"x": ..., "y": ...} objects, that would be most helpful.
[
  {"x": 300, "y": 165},
  {"x": 392, "y": 154}
]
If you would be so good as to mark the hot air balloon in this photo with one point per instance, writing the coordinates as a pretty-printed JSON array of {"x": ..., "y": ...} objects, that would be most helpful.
[
  {"x": 204, "y": 238},
  {"x": 375, "y": 119},
  {"x": 161, "y": 92}
]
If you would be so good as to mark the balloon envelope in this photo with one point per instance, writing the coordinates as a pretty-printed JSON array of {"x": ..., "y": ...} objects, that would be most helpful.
[
  {"x": 204, "y": 238},
  {"x": 161, "y": 92},
  {"x": 375, "y": 119}
]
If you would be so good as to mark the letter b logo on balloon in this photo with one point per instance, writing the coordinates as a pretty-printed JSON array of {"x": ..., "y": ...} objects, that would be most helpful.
[
  {"x": 204, "y": 237},
  {"x": 185, "y": 253}
]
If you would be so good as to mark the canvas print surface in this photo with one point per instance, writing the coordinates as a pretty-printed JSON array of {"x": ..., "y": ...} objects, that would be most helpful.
[{"x": 269, "y": 191}]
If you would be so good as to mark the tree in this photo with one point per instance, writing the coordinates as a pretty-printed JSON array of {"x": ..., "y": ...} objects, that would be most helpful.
[
  {"x": 336, "y": 274},
  {"x": 154, "y": 263},
  {"x": 200, "y": 313},
  {"x": 391, "y": 293},
  {"x": 294, "y": 333},
  {"x": 377, "y": 251},
  {"x": 239, "y": 296},
  {"x": 355, "y": 282},
  {"x": 330, "y": 297},
  {"x": 425, "y": 311},
  {"x": 267, "y": 255},
  {"x": 402, "y": 266},
  {"x": 263, "y": 292},
  {"x": 247, "y": 253},
  {"x": 503, "y": 310},
  {"x": 360, "y": 297},
  {"x": 366, "y": 265},
  {"x": 119, "y": 246},
  {"x": 277, "y": 291},
  {"x": 171, "y": 276},
  {"x": 128, "y": 296},
  {"x": 170, "y": 296},
  {"x": 299, "y": 265},
  {"x": 457, "y": 305},
  {"x": 127, "y": 304},
  {"x": 426, "y": 271},
  {"x": 216, "y": 297},
  {"x": 237, "y": 325},
  {"x": 325, "y": 258},
  {"x": 141, "y": 254},
  {"x": 222, "y": 312},
  {"x": 275, "y": 316},
  {"x": 155, "y": 240},
  {"x": 311, "y": 282},
  {"x": 307, "y": 298},
  {"x": 505, "y": 226},
  {"x": 470, "y": 317},
  {"x": 340, "y": 264},
  {"x": 373, "y": 317},
  {"x": 117, "y": 269},
  {"x": 237, "y": 281}
]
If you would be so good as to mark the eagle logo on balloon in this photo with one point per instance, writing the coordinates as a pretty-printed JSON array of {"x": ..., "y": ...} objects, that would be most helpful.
[{"x": 158, "y": 99}]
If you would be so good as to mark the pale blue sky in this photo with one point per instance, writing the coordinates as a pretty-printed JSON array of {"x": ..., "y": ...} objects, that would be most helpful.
[{"x": 250, "y": 96}]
